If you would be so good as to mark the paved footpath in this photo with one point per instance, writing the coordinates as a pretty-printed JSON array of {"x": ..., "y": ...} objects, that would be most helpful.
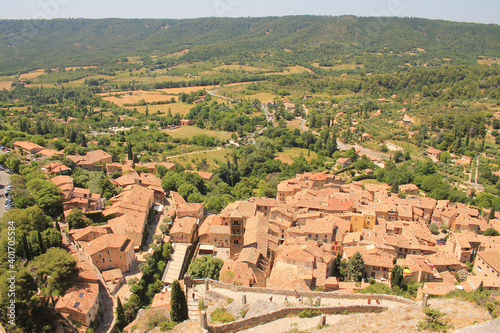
[
  {"x": 289, "y": 323},
  {"x": 280, "y": 299}
]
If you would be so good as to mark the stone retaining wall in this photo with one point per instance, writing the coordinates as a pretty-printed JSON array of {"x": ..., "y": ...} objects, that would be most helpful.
[
  {"x": 313, "y": 294},
  {"x": 275, "y": 315}
]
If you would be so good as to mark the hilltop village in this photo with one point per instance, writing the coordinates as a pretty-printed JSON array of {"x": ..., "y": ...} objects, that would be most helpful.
[{"x": 297, "y": 241}]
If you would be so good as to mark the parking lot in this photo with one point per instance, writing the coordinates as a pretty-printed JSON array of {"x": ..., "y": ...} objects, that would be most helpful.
[{"x": 4, "y": 181}]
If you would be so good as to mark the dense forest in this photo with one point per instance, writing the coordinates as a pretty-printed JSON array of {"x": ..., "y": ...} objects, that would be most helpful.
[{"x": 31, "y": 44}]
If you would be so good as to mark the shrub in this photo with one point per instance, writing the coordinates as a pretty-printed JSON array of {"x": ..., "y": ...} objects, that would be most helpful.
[
  {"x": 201, "y": 305},
  {"x": 434, "y": 321},
  {"x": 309, "y": 313},
  {"x": 220, "y": 315}
]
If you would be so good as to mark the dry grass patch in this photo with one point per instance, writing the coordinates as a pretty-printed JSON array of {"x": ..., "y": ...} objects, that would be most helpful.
[
  {"x": 459, "y": 313},
  {"x": 263, "y": 97},
  {"x": 298, "y": 69},
  {"x": 239, "y": 67},
  {"x": 31, "y": 75},
  {"x": 293, "y": 124},
  {"x": 190, "y": 131},
  {"x": 5, "y": 85},
  {"x": 289, "y": 155},
  {"x": 137, "y": 95},
  {"x": 211, "y": 156},
  {"x": 488, "y": 61}
]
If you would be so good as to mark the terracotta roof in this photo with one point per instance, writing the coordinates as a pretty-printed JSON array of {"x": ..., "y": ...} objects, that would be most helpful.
[
  {"x": 56, "y": 167},
  {"x": 249, "y": 255},
  {"x": 220, "y": 230},
  {"x": 108, "y": 241},
  {"x": 80, "y": 298},
  {"x": 204, "y": 175},
  {"x": 26, "y": 145},
  {"x": 242, "y": 274},
  {"x": 78, "y": 234},
  {"x": 184, "y": 225},
  {"x": 49, "y": 152},
  {"x": 62, "y": 180},
  {"x": 112, "y": 274},
  {"x": 211, "y": 220},
  {"x": 148, "y": 179},
  {"x": 492, "y": 258},
  {"x": 87, "y": 272},
  {"x": 161, "y": 300},
  {"x": 97, "y": 156},
  {"x": 129, "y": 222},
  {"x": 434, "y": 151},
  {"x": 130, "y": 178},
  {"x": 292, "y": 279},
  {"x": 190, "y": 207}
]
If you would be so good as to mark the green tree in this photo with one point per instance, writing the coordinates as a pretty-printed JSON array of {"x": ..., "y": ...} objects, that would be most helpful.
[
  {"x": 491, "y": 232},
  {"x": 492, "y": 214},
  {"x": 336, "y": 265},
  {"x": 396, "y": 276},
  {"x": 130, "y": 156},
  {"x": 178, "y": 304},
  {"x": 131, "y": 308},
  {"x": 355, "y": 267},
  {"x": 52, "y": 238},
  {"x": 434, "y": 228},
  {"x": 206, "y": 267},
  {"x": 434, "y": 321},
  {"x": 120, "y": 315},
  {"x": 77, "y": 220},
  {"x": 56, "y": 270},
  {"x": 398, "y": 156}
]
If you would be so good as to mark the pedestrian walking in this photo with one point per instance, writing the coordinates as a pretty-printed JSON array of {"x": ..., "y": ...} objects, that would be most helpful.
[
  {"x": 369, "y": 301},
  {"x": 193, "y": 296},
  {"x": 271, "y": 299},
  {"x": 378, "y": 302}
]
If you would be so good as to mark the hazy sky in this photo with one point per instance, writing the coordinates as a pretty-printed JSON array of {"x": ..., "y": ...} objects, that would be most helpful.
[{"x": 484, "y": 11}]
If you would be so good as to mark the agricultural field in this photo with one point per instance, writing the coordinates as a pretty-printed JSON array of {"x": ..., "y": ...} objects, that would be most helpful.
[
  {"x": 187, "y": 132},
  {"x": 488, "y": 61},
  {"x": 288, "y": 155},
  {"x": 31, "y": 75},
  {"x": 213, "y": 155},
  {"x": 337, "y": 67},
  {"x": 293, "y": 124},
  {"x": 136, "y": 96},
  {"x": 240, "y": 67}
]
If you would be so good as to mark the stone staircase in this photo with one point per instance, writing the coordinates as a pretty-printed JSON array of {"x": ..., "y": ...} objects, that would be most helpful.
[{"x": 193, "y": 309}]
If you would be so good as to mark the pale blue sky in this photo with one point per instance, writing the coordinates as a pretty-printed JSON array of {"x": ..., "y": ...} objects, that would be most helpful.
[{"x": 484, "y": 11}]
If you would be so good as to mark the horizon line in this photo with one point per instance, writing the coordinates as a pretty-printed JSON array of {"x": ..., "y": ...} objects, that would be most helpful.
[{"x": 244, "y": 17}]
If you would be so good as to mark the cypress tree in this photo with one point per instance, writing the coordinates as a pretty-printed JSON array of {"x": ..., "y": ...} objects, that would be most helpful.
[
  {"x": 492, "y": 214},
  {"x": 178, "y": 304},
  {"x": 129, "y": 152},
  {"x": 396, "y": 276},
  {"x": 120, "y": 315},
  {"x": 26, "y": 249},
  {"x": 40, "y": 240}
]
